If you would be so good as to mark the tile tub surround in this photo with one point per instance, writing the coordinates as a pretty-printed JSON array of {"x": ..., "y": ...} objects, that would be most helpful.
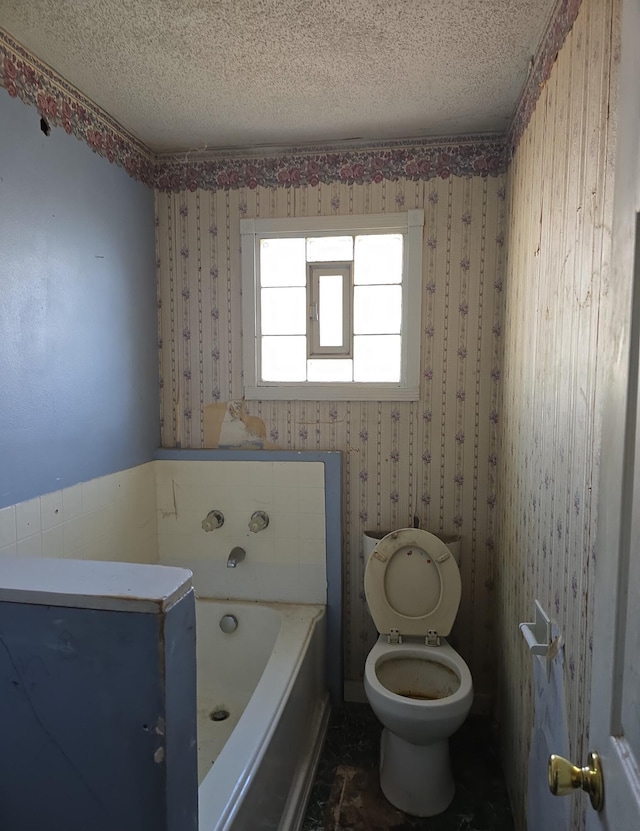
[
  {"x": 109, "y": 518},
  {"x": 285, "y": 562},
  {"x": 117, "y": 517},
  {"x": 153, "y": 514},
  {"x": 346, "y": 794}
]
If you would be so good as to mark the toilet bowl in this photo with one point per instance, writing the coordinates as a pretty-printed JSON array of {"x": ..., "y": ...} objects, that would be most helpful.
[{"x": 418, "y": 686}]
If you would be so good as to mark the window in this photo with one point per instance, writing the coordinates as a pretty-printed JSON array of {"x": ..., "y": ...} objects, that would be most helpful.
[{"x": 331, "y": 307}]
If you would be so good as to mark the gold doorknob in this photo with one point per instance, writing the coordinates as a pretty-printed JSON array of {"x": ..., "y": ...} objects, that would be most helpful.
[{"x": 565, "y": 777}]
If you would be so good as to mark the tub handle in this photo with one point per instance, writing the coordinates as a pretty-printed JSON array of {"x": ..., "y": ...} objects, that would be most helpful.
[
  {"x": 258, "y": 522},
  {"x": 213, "y": 520}
]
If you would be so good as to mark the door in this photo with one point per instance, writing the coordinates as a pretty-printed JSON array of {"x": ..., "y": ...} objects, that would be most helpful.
[{"x": 615, "y": 690}]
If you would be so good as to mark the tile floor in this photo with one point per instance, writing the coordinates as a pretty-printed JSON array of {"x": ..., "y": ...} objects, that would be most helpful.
[{"x": 346, "y": 794}]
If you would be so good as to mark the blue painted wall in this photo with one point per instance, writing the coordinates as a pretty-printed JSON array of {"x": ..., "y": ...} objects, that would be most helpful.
[{"x": 78, "y": 329}]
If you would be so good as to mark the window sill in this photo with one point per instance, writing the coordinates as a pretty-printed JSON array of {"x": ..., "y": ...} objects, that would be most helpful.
[{"x": 332, "y": 392}]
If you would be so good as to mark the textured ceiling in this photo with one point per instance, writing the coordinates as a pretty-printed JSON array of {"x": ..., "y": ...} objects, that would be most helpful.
[{"x": 198, "y": 74}]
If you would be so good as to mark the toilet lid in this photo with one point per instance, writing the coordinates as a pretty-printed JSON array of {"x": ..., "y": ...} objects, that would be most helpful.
[{"x": 412, "y": 584}]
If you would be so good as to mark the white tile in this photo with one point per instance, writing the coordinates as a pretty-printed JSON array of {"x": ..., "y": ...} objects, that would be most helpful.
[
  {"x": 285, "y": 474},
  {"x": 28, "y": 519},
  {"x": 147, "y": 549},
  {"x": 73, "y": 532},
  {"x": 285, "y": 526},
  {"x": 9, "y": 550},
  {"x": 107, "y": 548},
  {"x": 236, "y": 521},
  {"x": 72, "y": 502},
  {"x": 167, "y": 496},
  {"x": 313, "y": 584},
  {"x": 246, "y": 581},
  {"x": 163, "y": 470},
  {"x": 259, "y": 497},
  {"x": 174, "y": 548},
  {"x": 312, "y": 552},
  {"x": 94, "y": 494},
  {"x": 287, "y": 584},
  {"x": 286, "y": 552},
  {"x": 110, "y": 488},
  {"x": 188, "y": 473},
  {"x": 51, "y": 510},
  {"x": 167, "y": 523},
  {"x": 236, "y": 474},
  {"x": 207, "y": 545},
  {"x": 96, "y": 524},
  {"x": 312, "y": 526},
  {"x": 285, "y": 499},
  {"x": 190, "y": 522},
  {"x": 262, "y": 474},
  {"x": 8, "y": 534},
  {"x": 260, "y": 548},
  {"x": 53, "y": 542},
  {"x": 311, "y": 501},
  {"x": 311, "y": 475},
  {"x": 30, "y": 546},
  {"x": 139, "y": 478}
]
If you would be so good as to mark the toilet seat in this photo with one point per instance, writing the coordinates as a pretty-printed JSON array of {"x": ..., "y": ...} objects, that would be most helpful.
[{"x": 412, "y": 585}]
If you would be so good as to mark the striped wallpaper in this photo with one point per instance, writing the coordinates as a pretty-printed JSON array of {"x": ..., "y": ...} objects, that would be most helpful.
[
  {"x": 558, "y": 237},
  {"x": 434, "y": 458}
]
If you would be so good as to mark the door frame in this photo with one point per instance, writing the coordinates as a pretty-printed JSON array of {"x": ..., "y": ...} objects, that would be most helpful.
[{"x": 619, "y": 336}]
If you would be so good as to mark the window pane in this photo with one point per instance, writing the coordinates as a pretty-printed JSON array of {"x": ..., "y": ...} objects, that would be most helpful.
[
  {"x": 378, "y": 259},
  {"x": 376, "y": 358},
  {"x": 284, "y": 359},
  {"x": 329, "y": 249},
  {"x": 283, "y": 311},
  {"x": 330, "y": 369},
  {"x": 282, "y": 262},
  {"x": 330, "y": 312},
  {"x": 377, "y": 309}
]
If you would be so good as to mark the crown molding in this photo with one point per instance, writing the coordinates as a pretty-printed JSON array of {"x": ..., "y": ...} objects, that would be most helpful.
[
  {"x": 560, "y": 24},
  {"x": 62, "y": 105}
]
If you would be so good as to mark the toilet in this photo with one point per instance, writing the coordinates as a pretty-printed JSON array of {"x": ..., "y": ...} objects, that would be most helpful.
[{"x": 418, "y": 686}]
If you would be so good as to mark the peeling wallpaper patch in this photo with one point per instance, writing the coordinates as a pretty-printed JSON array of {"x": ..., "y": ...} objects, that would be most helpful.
[{"x": 227, "y": 425}]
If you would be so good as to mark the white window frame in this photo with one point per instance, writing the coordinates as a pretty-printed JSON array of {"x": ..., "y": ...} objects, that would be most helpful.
[{"x": 410, "y": 224}]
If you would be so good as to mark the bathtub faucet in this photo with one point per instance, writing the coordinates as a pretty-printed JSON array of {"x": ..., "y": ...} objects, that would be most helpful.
[{"x": 237, "y": 556}]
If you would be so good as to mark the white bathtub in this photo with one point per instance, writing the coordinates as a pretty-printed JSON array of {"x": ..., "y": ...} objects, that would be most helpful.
[{"x": 269, "y": 675}]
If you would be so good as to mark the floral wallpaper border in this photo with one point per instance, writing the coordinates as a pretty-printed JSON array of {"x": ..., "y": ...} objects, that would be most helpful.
[
  {"x": 560, "y": 24},
  {"x": 27, "y": 78},
  {"x": 420, "y": 160}
]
